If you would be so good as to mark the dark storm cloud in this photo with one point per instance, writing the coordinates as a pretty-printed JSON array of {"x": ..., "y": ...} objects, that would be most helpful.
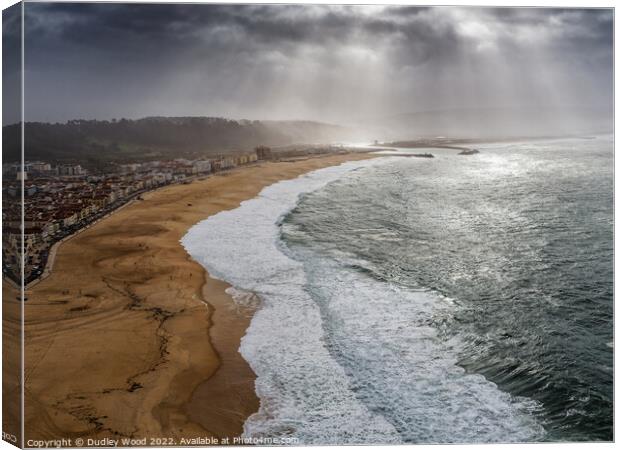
[
  {"x": 320, "y": 62},
  {"x": 11, "y": 64}
]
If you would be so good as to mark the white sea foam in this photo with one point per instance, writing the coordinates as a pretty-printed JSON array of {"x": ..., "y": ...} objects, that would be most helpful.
[
  {"x": 247, "y": 299},
  {"x": 385, "y": 336},
  {"x": 305, "y": 391}
]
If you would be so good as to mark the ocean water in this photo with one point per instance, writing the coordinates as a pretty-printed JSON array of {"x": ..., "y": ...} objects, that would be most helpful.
[{"x": 410, "y": 300}]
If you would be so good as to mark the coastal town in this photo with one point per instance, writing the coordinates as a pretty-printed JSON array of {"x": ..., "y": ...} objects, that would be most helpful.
[{"x": 62, "y": 199}]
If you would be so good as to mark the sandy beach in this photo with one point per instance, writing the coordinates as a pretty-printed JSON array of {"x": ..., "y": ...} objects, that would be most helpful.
[{"x": 129, "y": 337}]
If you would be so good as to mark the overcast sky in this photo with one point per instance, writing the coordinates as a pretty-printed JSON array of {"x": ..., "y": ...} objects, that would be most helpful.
[{"x": 335, "y": 64}]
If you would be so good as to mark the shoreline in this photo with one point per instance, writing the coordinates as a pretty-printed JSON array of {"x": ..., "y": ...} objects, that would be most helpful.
[
  {"x": 141, "y": 328},
  {"x": 226, "y": 413}
]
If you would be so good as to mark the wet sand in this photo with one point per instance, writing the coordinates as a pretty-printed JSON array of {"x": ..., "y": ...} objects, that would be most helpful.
[{"x": 129, "y": 336}]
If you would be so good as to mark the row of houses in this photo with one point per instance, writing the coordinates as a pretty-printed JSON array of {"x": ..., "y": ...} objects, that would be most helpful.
[
  {"x": 58, "y": 205},
  {"x": 32, "y": 169},
  {"x": 189, "y": 167}
]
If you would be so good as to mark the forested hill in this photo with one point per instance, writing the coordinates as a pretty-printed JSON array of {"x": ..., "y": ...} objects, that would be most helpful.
[{"x": 100, "y": 141}]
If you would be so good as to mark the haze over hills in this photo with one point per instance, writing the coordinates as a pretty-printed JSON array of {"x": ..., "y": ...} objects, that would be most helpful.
[
  {"x": 98, "y": 141},
  {"x": 93, "y": 142}
]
